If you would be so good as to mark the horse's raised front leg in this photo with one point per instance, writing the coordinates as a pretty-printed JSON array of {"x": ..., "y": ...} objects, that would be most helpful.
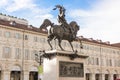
[
  {"x": 71, "y": 46},
  {"x": 59, "y": 43},
  {"x": 49, "y": 40}
]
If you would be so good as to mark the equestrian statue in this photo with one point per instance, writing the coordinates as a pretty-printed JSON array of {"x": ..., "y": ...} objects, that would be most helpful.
[{"x": 62, "y": 31}]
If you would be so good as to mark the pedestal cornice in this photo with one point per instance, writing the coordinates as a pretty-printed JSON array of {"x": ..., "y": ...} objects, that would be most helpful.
[{"x": 72, "y": 55}]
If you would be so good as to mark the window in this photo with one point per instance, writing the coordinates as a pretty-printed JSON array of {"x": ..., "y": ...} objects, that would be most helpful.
[
  {"x": 17, "y": 53},
  {"x": 35, "y": 39},
  {"x": 92, "y": 61},
  {"x": 26, "y": 56},
  {"x": 115, "y": 62},
  {"x": 96, "y": 61},
  {"x": 89, "y": 61},
  {"x": 7, "y": 34},
  {"x": 118, "y": 52},
  {"x": 17, "y": 35},
  {"x": 26, "y": 37},
  {"x": 102, "y": 62},
  {"x": 42, "y": 40},
  {"x": 33, "y": 54},
  {"x": 77, "y": 45},
  {"x": 6, "y": 52},
  {"x": 110, "y": 62},
  {"x": 0, "y": 33},
  {"x": 107, "y": 62},
  {"x": 118, "y": 63}
]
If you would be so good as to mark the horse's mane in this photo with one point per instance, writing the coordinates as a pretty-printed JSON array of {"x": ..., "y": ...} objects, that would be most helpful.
[{"x": 73, "y": 24}]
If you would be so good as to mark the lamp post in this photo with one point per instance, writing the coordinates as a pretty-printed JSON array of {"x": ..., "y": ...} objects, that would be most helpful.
[{"x": 38, "y": 58}]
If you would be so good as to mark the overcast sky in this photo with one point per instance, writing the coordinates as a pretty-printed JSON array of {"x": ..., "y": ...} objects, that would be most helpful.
[{"x": 98, "y": 19}]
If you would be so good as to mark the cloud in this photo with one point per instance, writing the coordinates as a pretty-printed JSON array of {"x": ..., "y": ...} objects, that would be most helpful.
[
  {"x": 15, "y": 5},
  {"x": 3, "y": 3},
  {"x": 100, "y": 22},
  {"x": 29, "y": 9},
  {"x": 38, "y": 19}
]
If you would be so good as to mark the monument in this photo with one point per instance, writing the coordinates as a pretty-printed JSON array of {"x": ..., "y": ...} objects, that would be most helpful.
[{"x": 62, "y": 64}]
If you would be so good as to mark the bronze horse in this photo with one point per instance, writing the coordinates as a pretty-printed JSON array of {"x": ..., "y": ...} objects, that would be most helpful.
[{"x": 60, "y": 33}]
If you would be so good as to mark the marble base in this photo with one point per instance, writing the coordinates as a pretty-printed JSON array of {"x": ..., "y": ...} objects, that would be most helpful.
[{"x": 61, "y": 67}]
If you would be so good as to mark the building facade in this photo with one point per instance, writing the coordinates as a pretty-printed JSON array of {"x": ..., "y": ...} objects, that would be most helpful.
[{"x": 19, "y": 42}]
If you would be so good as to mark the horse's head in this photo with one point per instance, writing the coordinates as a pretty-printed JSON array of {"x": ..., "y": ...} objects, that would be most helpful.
[
  {"x": 45, "y": 24},
  {"x": 75, "y": 27}
]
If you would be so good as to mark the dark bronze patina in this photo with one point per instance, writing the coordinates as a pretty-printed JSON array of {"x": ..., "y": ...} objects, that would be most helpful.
[
  {"x": 63, "y": 31},
  {"x": 71, "y": 69}
]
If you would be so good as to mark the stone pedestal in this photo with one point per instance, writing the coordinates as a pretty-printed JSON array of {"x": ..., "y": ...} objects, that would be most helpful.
[{"x": 63, "y": 65}]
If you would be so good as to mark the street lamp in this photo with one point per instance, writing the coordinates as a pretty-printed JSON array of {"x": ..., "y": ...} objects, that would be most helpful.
[{"x": 38, "y": 58}]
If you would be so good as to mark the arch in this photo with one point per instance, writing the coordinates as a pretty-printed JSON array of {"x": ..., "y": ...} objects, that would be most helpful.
[
  {"x": 88, "y": 70},
  {"x": 107, "y": 72},
  {"x": 33, "y": 68},
  {"x": 15, "y": 68},
  {"x": 115, "y": 72},
  {"x": 97, "y": 71}
]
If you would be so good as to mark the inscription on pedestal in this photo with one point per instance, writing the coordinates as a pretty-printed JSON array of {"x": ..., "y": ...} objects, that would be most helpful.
[{"x": 71, "y": 69}]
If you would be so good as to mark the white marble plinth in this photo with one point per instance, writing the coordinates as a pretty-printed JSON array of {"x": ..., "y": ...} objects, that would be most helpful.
[{"x": 51, "y": 66}]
